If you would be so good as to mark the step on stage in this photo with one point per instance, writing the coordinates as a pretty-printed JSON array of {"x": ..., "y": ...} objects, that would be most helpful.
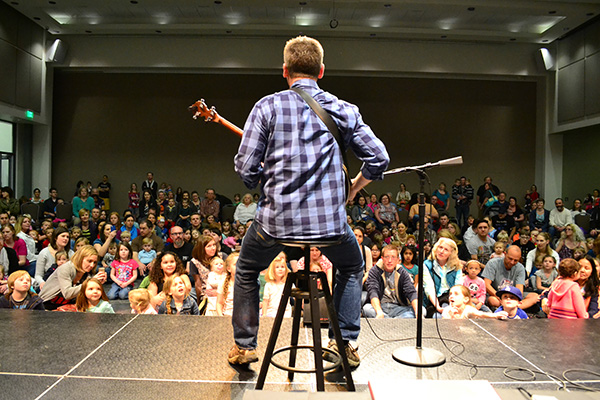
[{"x": 50, "y": 355}]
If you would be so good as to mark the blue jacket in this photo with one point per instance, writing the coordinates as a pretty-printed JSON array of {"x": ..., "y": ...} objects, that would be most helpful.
[{"x": 437, "y": 279}]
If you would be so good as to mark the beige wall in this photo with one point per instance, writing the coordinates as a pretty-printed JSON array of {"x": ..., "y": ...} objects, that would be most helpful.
[{"x": 125, "y": 124}]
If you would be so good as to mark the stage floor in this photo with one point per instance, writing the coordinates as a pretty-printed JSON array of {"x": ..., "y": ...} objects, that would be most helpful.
[{"x": 50, "y": 355}]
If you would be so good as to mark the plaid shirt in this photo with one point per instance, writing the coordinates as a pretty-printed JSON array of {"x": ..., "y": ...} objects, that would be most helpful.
[{"x": 302, "y": 179}]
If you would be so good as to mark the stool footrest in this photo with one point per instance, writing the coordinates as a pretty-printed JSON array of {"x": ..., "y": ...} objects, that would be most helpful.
[{"x": 336, "y": 364}]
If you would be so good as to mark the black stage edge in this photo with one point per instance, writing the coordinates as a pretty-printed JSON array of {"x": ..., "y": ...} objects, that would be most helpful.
[{"x": 50, "y": 355}]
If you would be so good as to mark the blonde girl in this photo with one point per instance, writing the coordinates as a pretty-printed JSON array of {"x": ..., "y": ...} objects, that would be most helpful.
[
  {"x": 216, "y": 276},
  {"x": 139, "y": 300},
  {"x": 225, "y": 291},
  {"x": 275, "y": 277},
  {"x": 461, "y": 307},
  {"x": 91, "y": 298},
  {"x": 177, "y": 299}
]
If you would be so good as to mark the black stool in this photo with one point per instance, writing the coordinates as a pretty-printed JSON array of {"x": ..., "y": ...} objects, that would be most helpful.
[{"x": 306, "y": 288}]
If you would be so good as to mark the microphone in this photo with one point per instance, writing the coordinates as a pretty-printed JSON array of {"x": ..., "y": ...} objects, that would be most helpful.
[{"x": 442, "y": 163}]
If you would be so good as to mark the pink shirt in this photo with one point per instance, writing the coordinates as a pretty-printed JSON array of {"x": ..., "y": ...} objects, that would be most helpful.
[{"x": 477, "y": 288}]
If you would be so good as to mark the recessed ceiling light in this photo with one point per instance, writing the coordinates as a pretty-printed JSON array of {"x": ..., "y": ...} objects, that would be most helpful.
[
  {"x": 471, "y": 8},
  {"x": 133, "y": 2},
  {"x": 545, "y": 41},
  {"x": 590, "y": 14},
  {"x": 387, "y": 5},
  {"x": 228, "y": 31},
  {"x": 37, "y": 19},
  {"x": 88, "y": 31},
  {"x": 52, "y": 2},
  {"x": 218, "y": 2},
  {"x": 566, "y": 29},
  {"x": 373, "y": 34},
  {"x": 14, "y": 3},
  {"x": 512, "y": 39},
  {"x": 443, "y": 36},
  {"x": 552, "y": 12},
  {"x": 302, "y": 3}
]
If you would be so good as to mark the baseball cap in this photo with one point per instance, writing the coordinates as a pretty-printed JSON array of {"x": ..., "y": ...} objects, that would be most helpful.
[{"x": 510, "y": 289}]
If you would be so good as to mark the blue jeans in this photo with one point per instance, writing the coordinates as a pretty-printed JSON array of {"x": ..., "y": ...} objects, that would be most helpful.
[
  {"x": 390, "y": 310},
  {"x": 117, "y": 291},
  {"x": 259, "y": 249},
  {"x": 462, "y": 215}
]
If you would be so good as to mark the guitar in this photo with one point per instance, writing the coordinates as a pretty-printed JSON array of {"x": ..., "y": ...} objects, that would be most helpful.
[{"x": 210, "y": 115}]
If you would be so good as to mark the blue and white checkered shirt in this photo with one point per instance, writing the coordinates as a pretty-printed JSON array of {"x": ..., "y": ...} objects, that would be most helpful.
[{"x": 302, "y": 179}]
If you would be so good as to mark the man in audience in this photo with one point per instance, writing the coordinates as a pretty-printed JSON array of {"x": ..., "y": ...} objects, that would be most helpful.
[
  {"x": 150, "y": 184},
  {"x": 104, "y": 192},
  {"x": 560, "y": 217},
  {"x": 179, "y": 246},
  {"x": 443, "y": 221},
  {"x": 463, "y": 195},
  {"x": 95, "y": 215},
  {"x": 210, "y": 204},
  {"x": 162, "y": 202},
  {"x": 50, "y": 204},
  {"x": 146, "y": 231},
  {"x": 196, "y": 222},
  {"x": 507, "y": 271},
  {"x": 504, "y": 222},
  {"x": 481, "y": 246},
  {"x": 4, "y": 218},
  {"x": 390, "y": 289}
]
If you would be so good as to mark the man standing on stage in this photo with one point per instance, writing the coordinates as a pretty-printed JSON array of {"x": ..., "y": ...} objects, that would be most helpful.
[{"x": 288, "y": 150}]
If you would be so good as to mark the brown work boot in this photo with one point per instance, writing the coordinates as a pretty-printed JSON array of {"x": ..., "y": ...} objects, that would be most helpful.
[
  {"x": 241, "y": 356},
  {"x": 351, "y": 353}
]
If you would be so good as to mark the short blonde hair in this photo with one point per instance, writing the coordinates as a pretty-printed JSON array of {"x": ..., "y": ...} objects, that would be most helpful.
[
  {"x": 140, "y": 298},
  {"x": 84, "y": 252},
  {"x": 270, "y": 275},
  {"x": 303, "y": 57}
]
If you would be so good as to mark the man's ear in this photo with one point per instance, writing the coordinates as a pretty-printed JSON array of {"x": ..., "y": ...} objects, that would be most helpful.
[
  {"x": 286, "y": 73},
  {"x": 321, "y": 71}
]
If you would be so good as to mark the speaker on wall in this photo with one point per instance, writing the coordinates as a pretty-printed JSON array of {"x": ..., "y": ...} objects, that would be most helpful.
[
  {"x": 547, "y": 59},
  {"x": 57, "y": 51}
]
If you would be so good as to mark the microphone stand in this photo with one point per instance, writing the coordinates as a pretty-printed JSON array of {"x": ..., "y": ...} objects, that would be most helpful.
[{"x": 420, "y": 356}]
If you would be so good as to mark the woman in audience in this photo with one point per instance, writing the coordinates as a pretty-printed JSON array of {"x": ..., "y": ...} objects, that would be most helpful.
[
  {"x": 11, "y": 240},
  {"x": 23, "y": 228},
  {"x": 441, "y": 271},
  {"x": 455, "y": 231},
  {"x": 539, "y": 218},
  {"x": 134, "y": 200},
  {"x": 129, "y": 226},
  {"x": 146, "y": 203},
  {"x": 570, "y": 239},
  {"x": 589, "y": 282},
  {"x": 359, "y": 232},
  {"x": 166, "y": 265},
  {"x": 373, "y": 203},
  {"x": 515, "y": 211},
  {"x": 37, "y": 199},
  {"x": 443, "y": 195},
  {"x": 89, "y": 230},
  {"x": 536, "y": 257},
  {"x": 403, "y": 196},
  {"x": 400, "y": 234},
  {"x": 107, "y": 235},
  {"x": 531, "y": 197},
  {"x": 59, "y": 241},
  {"x": 386, "y": 213},
  {"x": 361, "y": 213},
  {"x": 64, "y": 284},
  {"x": 115, "y": 220},
  {"x": 8, "y": 203},
  {"x": 375, "y": 253},
  {"x": 81, "y": 201},
  {"x": 463, "y": 253},
  {"x": 199, "y": 267},
  {"x": 245, "y": 211}
]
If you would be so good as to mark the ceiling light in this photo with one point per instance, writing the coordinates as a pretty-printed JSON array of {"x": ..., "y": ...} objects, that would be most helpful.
[
  {"x": 333, "y": 23},
  {"x": 471, "y": 8},
  {"x": 387, "y": 5},
  {"x": 552, "y": 12},
  {"x": 590, "y": 14},
  {"x": 37, "y": 19},
  {"x": 218, "y": 2},
  {"x": 88, "y": 31},
  {"x": 52, "y": 2}
]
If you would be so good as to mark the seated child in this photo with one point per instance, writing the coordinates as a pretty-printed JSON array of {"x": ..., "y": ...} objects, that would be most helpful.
[
  {"x": 475, "y": 284},
  {"x": 510, "y": 298},
  {"x": 91, "y": 298},
  {"x": 79, "y": 243},
  {"x": 61, "y": 257},
  {"x": 123, "y": 273},
  {"x": 19, "y": 296},
  {"x": 147, "y": 254},
  {"x": 109, "y": 257},
  {"x": 139, "y": 300},
  {"x": 126, "y": 237},
  {"x": 545, "y": 276},
  {"x": 461, "y": 308},
  {"x": 565, "y": 299},
  {"x": 275, "y": 277},
  {"x": 499, "y": 248},
  {"x": 225, "y": 291},
  {"x": 75, "y": 234},
  {"x": 177, "y": 300},
  {"x": 215, "y": 278}
]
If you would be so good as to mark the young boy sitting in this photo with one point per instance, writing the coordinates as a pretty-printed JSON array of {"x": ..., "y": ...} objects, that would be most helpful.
[
  {"x": 510, "y": 299},
  {"x": 147, "y": 254}
]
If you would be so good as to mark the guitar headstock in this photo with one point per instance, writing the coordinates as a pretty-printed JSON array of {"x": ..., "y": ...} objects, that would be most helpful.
[{"x": 201, "y": 110}]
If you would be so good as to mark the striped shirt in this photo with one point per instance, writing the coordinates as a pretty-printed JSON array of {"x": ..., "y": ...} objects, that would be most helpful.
[{"x": 302, "y": 179}]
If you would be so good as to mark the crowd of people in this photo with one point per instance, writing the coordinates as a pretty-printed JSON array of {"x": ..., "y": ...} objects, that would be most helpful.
[{"x": 173, "y": 252}]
